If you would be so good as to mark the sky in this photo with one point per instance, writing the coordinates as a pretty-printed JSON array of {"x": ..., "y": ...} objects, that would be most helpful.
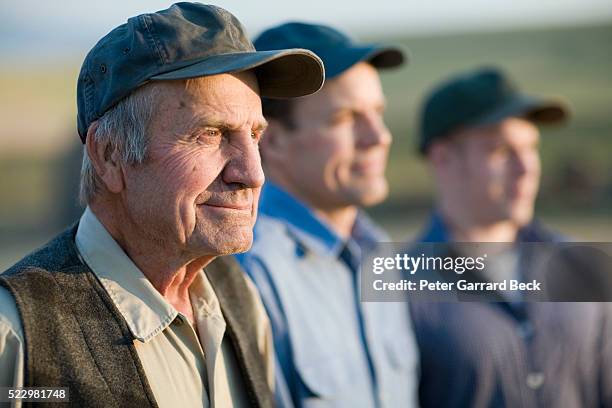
[{"x": 68, "y": 28}]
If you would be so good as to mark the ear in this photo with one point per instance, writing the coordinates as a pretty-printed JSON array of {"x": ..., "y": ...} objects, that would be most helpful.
[
  {"x": 105, "y": 160},
  {"x": 438, "y": 154},
  {"x": 273, "y": 145}
]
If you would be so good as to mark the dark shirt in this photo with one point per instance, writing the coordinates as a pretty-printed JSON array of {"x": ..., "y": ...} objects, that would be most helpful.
[{"x": 501, "y": 354}]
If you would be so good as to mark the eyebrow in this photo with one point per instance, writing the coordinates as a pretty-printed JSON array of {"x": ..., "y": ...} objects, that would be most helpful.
[
  {"x": 262, "y": 125},
  {"x": 380, "y": 105},
  {"x": 204, "y": 121}
]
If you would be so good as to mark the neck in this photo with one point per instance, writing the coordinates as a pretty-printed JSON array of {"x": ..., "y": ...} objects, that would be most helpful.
[
  {"x": 168, "y": 269},
  {"x": 341, "y": 220},
  {"x": 464, "y": 228},
  {"x": 497, "y": 232}
]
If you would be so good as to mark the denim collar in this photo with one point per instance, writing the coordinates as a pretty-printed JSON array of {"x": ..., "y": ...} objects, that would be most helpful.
[{"x": 309, "y": 229}]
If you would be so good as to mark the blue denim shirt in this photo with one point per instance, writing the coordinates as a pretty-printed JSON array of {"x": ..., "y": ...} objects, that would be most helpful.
[{"x": 332, "y": 350}]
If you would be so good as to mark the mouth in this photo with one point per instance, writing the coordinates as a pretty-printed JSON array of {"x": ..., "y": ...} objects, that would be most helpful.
[
  {"x": 368, "y": 167},
  {"x": 520, "y": 193},
  {"x": 230, "y": 206},
  {"x": 370, "y": 163}
]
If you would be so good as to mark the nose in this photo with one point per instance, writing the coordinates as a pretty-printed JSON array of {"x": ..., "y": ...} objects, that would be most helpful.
[
  {"x": 244, "y": 166},
  {"x": 372, "y": 131}
]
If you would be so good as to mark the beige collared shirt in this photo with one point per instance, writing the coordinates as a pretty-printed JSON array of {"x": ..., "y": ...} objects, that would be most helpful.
[{"x": 185, "y": 367}]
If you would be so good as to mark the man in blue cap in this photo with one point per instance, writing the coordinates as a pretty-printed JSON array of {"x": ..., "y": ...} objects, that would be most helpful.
[
  {"x": 325, "y": 156},
  {"x": 131, "y": 306},
  {"x": 480, "y": 137}
]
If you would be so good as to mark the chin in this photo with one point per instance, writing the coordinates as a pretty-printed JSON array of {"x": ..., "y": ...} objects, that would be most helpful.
[
  {"x": 373, "y": 194},
  {"x": 239, "y": 242},
  {"x": 523, "y": 218},
  {"x": 229, "y": 248},
  {"x": 521, "y": 215},
  {"x": 230, "y": 241}
]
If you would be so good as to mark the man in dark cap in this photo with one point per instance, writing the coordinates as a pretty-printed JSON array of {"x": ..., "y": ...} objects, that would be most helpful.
[
  {"x": 325, "y": 157},
  {"x": 480, "y": 137},
  {"x": 127, "y": 308}
]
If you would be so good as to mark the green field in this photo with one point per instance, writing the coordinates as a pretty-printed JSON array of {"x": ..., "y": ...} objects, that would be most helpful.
[{"x": 571, "y": 63}]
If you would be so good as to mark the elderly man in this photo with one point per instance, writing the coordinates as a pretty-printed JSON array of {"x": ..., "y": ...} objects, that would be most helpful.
[
  {"x": 125, "y": 308},
  {"x": 479, "y": 135},
  {"x": 325, "y": 157}
]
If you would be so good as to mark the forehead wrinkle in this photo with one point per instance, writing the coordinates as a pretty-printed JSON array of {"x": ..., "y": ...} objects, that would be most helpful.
[
  {"x": 226, "y": 120},
  {"x": 213, "y": 101},
  {"x": 342, "y": 98}
]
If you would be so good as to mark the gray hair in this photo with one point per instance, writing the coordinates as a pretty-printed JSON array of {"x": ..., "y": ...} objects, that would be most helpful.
[{"x": 123, "y": 127}]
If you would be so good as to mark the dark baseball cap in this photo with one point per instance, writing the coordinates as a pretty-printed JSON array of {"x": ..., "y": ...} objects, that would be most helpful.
[
  {"x": 477, "y": 98},
  {"x": 187, "y": 40},
  {"x": 336, "y": 49}
]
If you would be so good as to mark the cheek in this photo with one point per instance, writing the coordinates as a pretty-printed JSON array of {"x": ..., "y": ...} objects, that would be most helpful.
[
  {"x": 307, "y": 158},
  {"x": 500, "y": 177},
  {"x": 140, "y": 186},
  {"x": 487, "y": 180},
  {"x": 256, "y": 194},
  {"x": 334, "y": 153},
  {"x": 534, "y": 166},
  {"x": 496, "y": 168},
  {"x": 190, "y": 172}
]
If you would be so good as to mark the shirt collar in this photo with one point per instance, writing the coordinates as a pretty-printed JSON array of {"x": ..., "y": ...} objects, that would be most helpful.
[
  {"x": 144, "y": 309},
  {"x": 313, "y": 232},
  {"x": 438, "y": 231}
]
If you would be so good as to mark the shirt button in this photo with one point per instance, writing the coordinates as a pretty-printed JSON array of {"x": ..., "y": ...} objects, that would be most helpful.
[
  {"x": 535, "y": 380},
  {"x": 179, "y": 320}
]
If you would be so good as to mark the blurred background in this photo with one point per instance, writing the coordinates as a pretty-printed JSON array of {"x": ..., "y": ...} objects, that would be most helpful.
[{"x": 557, "y": 48}]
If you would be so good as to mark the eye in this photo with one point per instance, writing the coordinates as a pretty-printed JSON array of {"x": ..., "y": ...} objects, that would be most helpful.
[
  {"x": 342, "y": 116},
  {"x": 500, "y": 151},
  {"x": 213, "y": 132},
  {"x": 207, "y": 135},
  {"x": 256, "y": 135}
]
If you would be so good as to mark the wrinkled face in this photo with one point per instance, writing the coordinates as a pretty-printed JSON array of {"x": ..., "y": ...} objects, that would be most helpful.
[
  {"x": 498, "y": 170},
  {"x": 336, "y": 154},
  {"x": 199, "y": 184}
]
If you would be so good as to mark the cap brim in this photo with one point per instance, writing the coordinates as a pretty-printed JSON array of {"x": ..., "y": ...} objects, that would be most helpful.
[
  {"x": 534, "y": 109},
  {"x": 338, "y": 60},
  {"x": 280, "y": 73}
]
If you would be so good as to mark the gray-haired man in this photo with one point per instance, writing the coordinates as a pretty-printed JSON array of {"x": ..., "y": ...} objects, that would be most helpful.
[{"x": 119, "y": 308}]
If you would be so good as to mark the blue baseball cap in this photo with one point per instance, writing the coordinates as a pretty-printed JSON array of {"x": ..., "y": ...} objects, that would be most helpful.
[
  {"x": 336, "y": 49},
  {"x": 187, "y": 40},
  {"x": 477, "y": 98}
]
